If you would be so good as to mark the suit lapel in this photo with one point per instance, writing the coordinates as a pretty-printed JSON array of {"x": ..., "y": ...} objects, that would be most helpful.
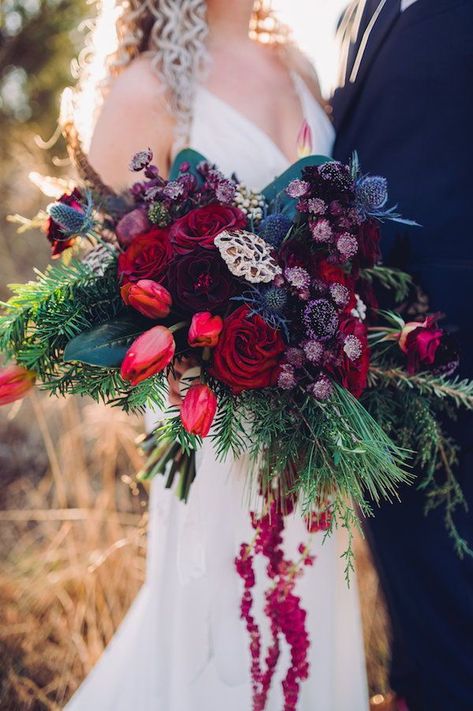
[{"x": 366, "y": 49}]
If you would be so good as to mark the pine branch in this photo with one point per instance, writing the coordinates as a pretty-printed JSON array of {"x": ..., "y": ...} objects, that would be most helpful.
[
  {"x": 460, "y": 392},
  {"x": 394, "y": 280}
]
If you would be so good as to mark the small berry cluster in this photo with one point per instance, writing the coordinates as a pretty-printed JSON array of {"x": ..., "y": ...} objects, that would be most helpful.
[{"x": 282, "y": 608}]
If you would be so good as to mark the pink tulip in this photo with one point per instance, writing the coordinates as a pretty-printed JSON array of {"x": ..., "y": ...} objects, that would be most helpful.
[
  {"x": 204, "y": 330},
  {"x": 304, "y": 141},
  {"x": 148, "y": 355},
  {"x": 148, "y": 297},
  {"x": 15, "y": 382},
  {"x": 198, "y": 409}
]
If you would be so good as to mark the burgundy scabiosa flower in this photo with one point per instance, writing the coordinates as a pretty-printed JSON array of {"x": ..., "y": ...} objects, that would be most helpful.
[{"x": 320, "y": 319}]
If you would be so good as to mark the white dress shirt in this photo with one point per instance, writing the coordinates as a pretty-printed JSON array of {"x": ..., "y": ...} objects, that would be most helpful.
[{"x": 406, "y": 3}]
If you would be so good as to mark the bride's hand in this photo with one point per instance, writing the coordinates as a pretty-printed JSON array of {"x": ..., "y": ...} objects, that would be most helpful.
[{"x": 175, "y": 397}]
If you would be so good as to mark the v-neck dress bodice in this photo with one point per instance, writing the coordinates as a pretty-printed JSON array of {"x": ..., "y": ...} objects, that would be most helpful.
[
  {"x": 183, "y": 646},
  {"x": 237, "y": 145}
]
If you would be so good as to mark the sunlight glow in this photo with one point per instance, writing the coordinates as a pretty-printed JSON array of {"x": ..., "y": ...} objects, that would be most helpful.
[{"x": 314, "y": 24}]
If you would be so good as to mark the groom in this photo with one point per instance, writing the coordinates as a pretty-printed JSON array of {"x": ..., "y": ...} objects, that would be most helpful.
[{"x": 405, "y": 103}]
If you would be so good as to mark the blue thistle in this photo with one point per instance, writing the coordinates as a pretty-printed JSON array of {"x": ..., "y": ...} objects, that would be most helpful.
[
  {"x": 71, "y": 221},
  {"x": 372, "y": 194},
  {"x": 269, "y": 302},
  {"x": 274, "y": 229}
]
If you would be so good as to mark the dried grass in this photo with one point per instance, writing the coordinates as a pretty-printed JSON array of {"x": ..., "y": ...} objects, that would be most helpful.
[{"x": 72, "y": 542}]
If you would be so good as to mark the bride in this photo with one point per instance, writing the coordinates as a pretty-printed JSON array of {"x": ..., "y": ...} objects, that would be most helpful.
[{"x": 189, "y": 72}]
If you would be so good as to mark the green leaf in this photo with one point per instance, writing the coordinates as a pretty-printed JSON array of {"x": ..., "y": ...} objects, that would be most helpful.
[
  {"x": 107, "y": 344},
  {"x": 188, "y": 155},
  {"x": 276, "y": 189}
]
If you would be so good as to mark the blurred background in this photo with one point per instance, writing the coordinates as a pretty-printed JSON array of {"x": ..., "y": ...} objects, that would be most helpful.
[{"x": 72, "y": 518}]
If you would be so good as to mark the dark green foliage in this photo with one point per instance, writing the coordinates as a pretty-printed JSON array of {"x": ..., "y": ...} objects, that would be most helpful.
[{"x": 397, "y": 282}]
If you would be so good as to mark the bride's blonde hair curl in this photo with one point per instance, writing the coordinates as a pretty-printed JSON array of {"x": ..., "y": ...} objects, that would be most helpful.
[{"x": 173, "y": 34}]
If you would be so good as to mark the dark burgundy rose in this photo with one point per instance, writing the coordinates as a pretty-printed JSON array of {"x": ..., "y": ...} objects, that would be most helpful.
[
  {"x": 147, "y": 257},
  {"x": 248, "y": 353},
  {"x": 369, "y": 252},
  {"x": 200, "y": 227},
  {"x": 200, "y": 281},
  {"x": 420, "y": 342},
  {"x": 352, "y": 372},
  {"x": 55, "y": 233}
]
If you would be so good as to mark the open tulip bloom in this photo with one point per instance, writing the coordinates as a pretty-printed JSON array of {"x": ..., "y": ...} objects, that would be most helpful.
[{"x": 273, "y": 296}]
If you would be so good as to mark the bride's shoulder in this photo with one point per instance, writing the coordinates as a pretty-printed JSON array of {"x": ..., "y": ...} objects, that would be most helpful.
[
  {"x": 298, "y": 62},
  {"x": 133, "y": 116}
]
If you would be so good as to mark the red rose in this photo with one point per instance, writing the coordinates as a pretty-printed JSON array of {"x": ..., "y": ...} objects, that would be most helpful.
[
  {"x": 54, "y": 231},
  {"x": 147, "y": 257},
  {"x": 200, "y": 227},
  {"x": 248, "y": 353},
  {"x": 352, "y": 367},
  {"x": 369, "y": 236},
  {"x": 420, "y": 342},
  {"x": 333, "y": 274}
]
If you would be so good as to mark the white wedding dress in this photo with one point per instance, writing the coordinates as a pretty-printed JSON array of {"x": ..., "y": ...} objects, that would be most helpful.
[{"x": 182, "y": 646}]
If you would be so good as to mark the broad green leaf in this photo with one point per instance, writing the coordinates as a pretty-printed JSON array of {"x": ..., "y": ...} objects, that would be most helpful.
[
  {"x": 187, "y": 155},
  {"x": 276, "y": 190},
  {"x": 107, "y": 344}
]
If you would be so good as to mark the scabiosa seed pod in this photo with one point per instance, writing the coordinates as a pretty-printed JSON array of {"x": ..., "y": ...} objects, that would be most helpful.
[
  {"x": 297, "y": 277},
  {"x": 173, "y": 190},
  {"x": 372, "y": 193},
  {"x": 347, "y": 245},
  {"x": 352, "y": 347},
  {"x": 314, "y": 351},
  {"x": 295, "y": 357},
  {"x": 159, "y": 215},
  {"x": 322, "y": 388},
  {"x": 274, "y": 228},
  {"x": 338, "y": 175},
  {"x": 320, "y": 319},
  {"x": 321, "y": 230},
  {"x": 297, "y": 188},
  {"x": 340, "y": 294},
  {"x": 316, "y": 206},
  {"x": 141, "y": 160},
  {"x": 287, "y": 379}
]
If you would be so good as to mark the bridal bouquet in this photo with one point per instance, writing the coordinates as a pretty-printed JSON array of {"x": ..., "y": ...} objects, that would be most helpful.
[{"x": 271, "y": 298}]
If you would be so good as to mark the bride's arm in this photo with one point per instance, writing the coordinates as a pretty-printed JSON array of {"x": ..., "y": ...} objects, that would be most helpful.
[{"x": 133, "y": 117}]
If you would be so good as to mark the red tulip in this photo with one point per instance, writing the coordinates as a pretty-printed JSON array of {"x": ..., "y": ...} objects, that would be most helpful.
[
  {"x": 205, "y": 330},
  {"x": 198, "y": 409},
  {"x": 148, "y": 297},
  {"x": 15, "y": 382},
  {"x": 148, "y": 355}
]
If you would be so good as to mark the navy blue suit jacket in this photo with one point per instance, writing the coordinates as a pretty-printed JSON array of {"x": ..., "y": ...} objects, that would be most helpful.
[{"x": 409, "y": 114}]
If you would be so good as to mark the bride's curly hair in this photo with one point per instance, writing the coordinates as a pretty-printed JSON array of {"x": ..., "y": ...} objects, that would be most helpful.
[{"x": 173, "y": 34}]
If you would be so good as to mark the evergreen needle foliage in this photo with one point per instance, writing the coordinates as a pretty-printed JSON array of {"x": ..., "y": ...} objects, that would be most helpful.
[{"x": 396, "y": 281}]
